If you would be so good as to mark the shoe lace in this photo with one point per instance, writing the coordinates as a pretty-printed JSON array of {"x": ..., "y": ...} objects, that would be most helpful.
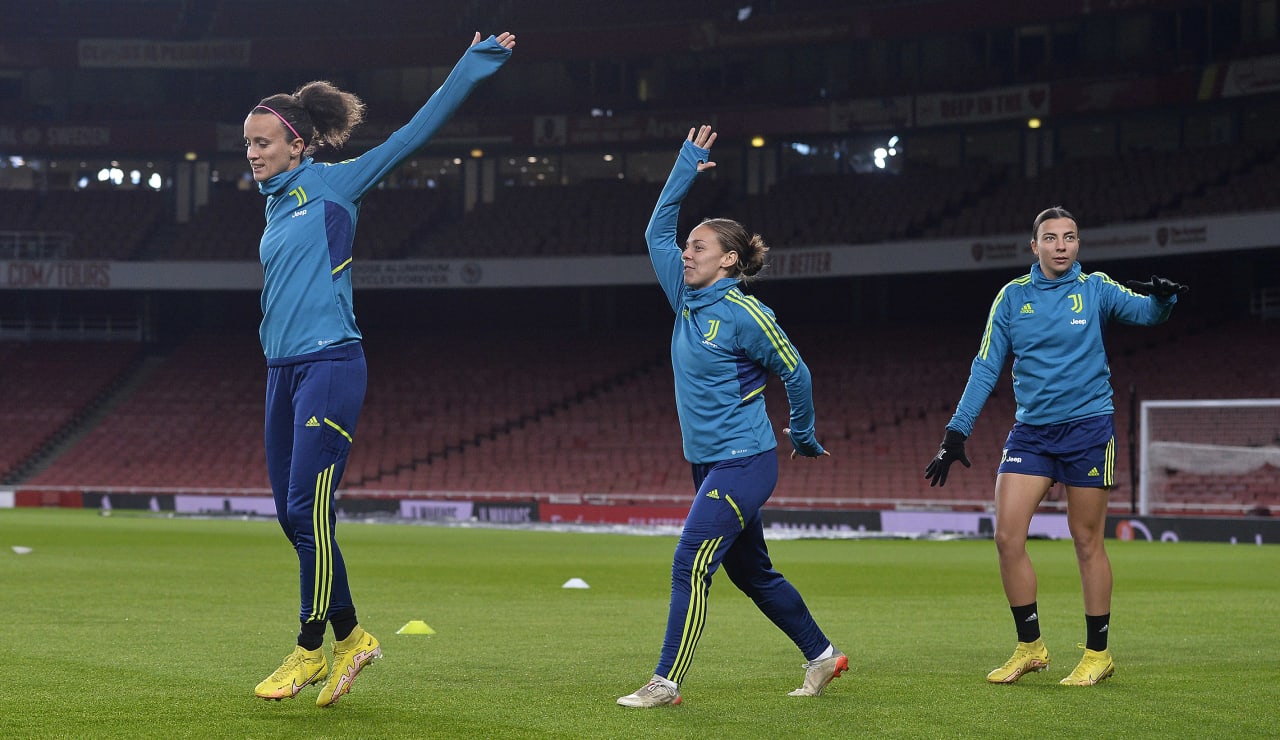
[
  {"x": 339, "y": 650},
  {"x": 1019, "y": 655},
  {"x": 291, "y": 661},
  {"x": 815, "y": 663}
]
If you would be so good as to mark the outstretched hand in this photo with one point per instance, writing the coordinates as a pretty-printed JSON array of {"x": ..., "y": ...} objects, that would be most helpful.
[
  {"x": 507, "y": 40},
  {"x": 1159, "y": 287},
  {"x": 703, "y": 137}
]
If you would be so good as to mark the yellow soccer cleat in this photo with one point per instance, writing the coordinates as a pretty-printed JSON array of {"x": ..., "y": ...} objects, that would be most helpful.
[
  {"x": 350, "y": 656},
  {"x": 1028, "y": 657},
  {"x": 300, "y": 669},
  {"x": 1093, "y": 667}
]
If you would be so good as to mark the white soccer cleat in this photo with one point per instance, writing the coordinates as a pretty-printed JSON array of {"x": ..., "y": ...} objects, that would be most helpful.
[
  {"x": 819, "y": 673},
  {"x": 653, "y": 694}
]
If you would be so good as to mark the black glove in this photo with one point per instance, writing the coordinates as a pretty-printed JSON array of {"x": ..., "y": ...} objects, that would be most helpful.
[
  {"x": 952, "y": 449},
  {"x": 1158, "y": 287}
]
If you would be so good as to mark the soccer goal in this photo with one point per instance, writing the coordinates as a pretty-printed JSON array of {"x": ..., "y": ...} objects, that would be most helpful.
[{"x": 1219, "y": 456}]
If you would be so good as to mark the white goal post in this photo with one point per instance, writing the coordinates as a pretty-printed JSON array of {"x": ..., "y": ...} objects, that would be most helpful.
[{"x": 1224, "y": 455}]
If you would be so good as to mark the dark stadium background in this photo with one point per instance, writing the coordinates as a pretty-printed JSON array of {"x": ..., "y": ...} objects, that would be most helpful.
[{"x": 1160, "y": 110}]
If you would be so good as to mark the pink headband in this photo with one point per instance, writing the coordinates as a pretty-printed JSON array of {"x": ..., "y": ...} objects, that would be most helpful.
[{"x": 277, "y": 115}]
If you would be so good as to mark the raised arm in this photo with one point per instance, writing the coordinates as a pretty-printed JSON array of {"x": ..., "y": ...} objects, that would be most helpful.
[
  {"x": 664, "y": 245},
  {"x": 355, "y": 177}
]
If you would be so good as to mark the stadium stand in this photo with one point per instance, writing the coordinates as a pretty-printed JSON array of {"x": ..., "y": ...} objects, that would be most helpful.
[
  {"x": 597, "y": 217},
  {"x": 227, "y": 228},
  {"x": 195, "y": 423},
  {"x": 609, "y": 216},
  {"x": 61, "y": 19},
  {"x": 51, "y": 388},
  {"x": 598, "y": 418},
  {"x": 1110, "y": 190},
  {"x": 862, "y": 208},
  {"x": 1249, "y": 187},
  {"x": 333, "y": 19},
  {"x": 103, "y": 224},
  {"x": 436, "y": 407}
]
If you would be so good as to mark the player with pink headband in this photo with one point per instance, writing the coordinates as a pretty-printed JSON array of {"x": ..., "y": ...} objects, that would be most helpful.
[
  {"x": 316, "y": 373},
  {"x": 283, "y": 120}
]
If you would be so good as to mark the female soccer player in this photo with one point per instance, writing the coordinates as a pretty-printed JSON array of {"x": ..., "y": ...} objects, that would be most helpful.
[
  {"x": 316, "y": 373},
  {"x": 1052, "y": 321},
  {"x": 724, "y": 345}
]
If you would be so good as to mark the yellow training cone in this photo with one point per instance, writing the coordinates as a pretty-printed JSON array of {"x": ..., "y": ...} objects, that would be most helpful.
[{"x": 416, "y": 627}]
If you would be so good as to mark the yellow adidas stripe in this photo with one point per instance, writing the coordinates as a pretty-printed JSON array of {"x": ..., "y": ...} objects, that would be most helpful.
[
  {"x": 340, "y": 430},
  {"x": 985, "y": 346},
  {"x": 323, "y": 577},
  {"x": 784, "y": 349},
  {"x": 1110, "y": 281},
  {"x": 696, "y": 617},
  {"x": 753, "y": 394},
  {"x": 741, "y": 524},
  {"x": 1109, "y": 469},
  {"x": 340, "y": 267}
]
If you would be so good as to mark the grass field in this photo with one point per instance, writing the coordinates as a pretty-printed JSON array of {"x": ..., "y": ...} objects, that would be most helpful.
[{"x": 149, "y": 627}]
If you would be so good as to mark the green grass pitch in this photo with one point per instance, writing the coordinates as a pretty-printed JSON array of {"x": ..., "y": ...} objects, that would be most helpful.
[{"x": 134, "y": 626}]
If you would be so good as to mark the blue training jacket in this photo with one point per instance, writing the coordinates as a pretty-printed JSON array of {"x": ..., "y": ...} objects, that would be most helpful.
[
  {"x": 311, "y": 223},
  {"x": 1054, "y": 329},
  {"x": 723, "y": 347}
]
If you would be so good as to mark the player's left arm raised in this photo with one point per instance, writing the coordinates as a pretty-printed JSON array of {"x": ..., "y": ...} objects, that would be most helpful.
[
  {"x": 1144, "y": 303},
  {"x": 482, "y": 58}
]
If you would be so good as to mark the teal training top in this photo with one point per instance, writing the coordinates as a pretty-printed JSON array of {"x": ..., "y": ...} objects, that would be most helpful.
[
  {"x": 311, "y": 222},
  {"x": 1054, "y": 330},
  {"x": 723, "y": 347}
]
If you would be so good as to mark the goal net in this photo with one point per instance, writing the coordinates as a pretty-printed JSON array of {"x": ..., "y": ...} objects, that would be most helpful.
[{"x": 1209, "y": 456}]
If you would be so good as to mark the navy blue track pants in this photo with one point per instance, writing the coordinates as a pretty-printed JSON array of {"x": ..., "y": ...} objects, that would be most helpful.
[
  {"x": 724, "y": 527},
  {"x": 311, "y": 414}
]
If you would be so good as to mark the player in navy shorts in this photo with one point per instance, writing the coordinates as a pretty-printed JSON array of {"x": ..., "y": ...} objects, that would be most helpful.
[
  {"x": 1051, "y": 321},
  {"x": 1078, "y": 453}
]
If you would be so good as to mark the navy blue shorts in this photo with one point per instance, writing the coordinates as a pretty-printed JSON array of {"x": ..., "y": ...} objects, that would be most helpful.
[{"x": 1078, "y": 453}]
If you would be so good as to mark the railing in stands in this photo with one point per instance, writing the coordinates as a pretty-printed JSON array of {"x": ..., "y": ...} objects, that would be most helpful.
[
  {"x": 35, "y": 245},
  {"x": 73, "y": 328}
]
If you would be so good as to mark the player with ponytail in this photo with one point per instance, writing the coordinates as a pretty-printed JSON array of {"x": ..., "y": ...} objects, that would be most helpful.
[{"x": 316, "y": 374}]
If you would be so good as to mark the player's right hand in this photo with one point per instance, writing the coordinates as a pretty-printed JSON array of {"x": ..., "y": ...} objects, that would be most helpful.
[{"x": 951, "y": 450}]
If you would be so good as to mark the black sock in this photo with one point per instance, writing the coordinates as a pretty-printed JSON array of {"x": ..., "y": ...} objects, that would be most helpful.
[
  {"x": 1027, "y": 621},
  {"x": 343, "y": 623},
  {"x": 1096, "y": 631},
  {"x": 311, "y": 636}
]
